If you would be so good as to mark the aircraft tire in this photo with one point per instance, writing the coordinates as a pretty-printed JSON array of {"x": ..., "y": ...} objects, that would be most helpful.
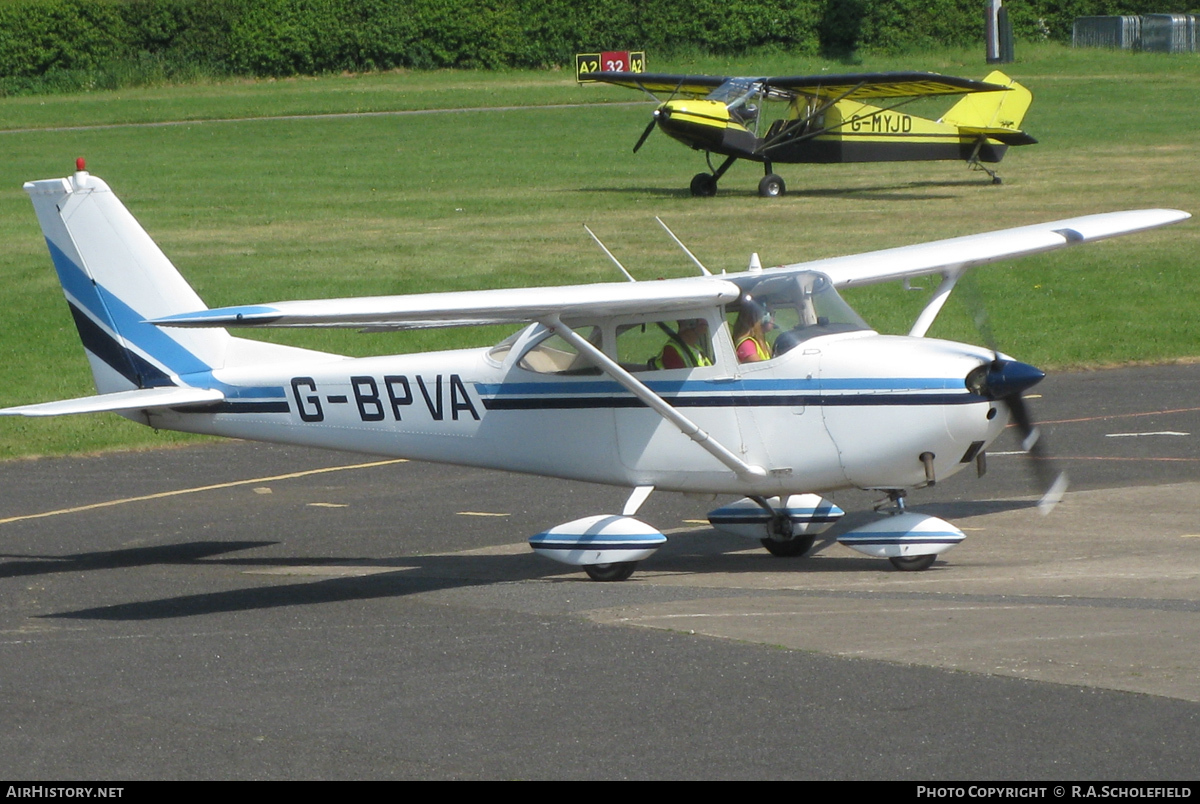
[
  {"x": 791, "y": 548},
  {"x": 618, "y": 571},
  {"x": 704, "y": 185},
  {"x": 771, "y": 186},
  {"x": 912, "y": 563}
]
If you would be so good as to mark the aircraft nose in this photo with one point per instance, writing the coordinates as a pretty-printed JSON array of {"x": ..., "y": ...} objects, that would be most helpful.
[{"x": 1003, "y": 379}]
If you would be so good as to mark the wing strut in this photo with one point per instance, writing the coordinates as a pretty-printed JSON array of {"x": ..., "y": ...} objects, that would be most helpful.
[
  {"x": 931, "y": 310},
  {"x": 653, "y": 400}
]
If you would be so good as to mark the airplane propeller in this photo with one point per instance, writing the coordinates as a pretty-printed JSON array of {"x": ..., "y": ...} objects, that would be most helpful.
[
  {"x": 659, "y": 113},
  {"x": 1006, "y": 381},
  {"x": 645, "y": 134}
]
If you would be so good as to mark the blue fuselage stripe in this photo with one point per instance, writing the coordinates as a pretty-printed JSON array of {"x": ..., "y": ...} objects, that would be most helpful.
[{"x": 739, "y": 400}]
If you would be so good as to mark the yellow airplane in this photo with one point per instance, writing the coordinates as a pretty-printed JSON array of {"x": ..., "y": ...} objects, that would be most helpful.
[{"x": 826, "y": 119}]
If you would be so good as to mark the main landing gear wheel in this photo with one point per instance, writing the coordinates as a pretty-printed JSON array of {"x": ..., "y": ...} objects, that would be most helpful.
[
  {"x": 618, "y": 571},
  {"x": 790, "y": 548},
  {"x": 771, "y": 186},
  {"x": 704, "y": 185},
  {"x": 912, "y": 563}
]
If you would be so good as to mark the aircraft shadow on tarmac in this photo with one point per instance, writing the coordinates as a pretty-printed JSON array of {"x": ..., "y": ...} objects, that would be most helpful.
[
  {"x": 185, "y": 553},
  {"x": 693, "y": 552}
]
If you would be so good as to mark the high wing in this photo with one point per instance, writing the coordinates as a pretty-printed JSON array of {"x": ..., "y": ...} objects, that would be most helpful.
[
  {"x": 577, "y": 302},
  {"x": 961, "y": 253},
  {"x": 696, "y": 86},
  {"x": 473, "y": 307},
  {"x": 856, "y": 86},
  {"x": 881, "y": 85}
]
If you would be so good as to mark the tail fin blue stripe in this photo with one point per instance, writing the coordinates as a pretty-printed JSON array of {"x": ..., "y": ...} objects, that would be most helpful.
[{"x": 127, "y": 324}]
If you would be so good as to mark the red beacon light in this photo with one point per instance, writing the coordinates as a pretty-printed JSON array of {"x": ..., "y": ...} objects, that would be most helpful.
[{"x": 80, "y": 179}]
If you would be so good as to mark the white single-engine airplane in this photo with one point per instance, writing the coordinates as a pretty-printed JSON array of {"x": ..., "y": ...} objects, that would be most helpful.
[{"x": 634, "y": 384}]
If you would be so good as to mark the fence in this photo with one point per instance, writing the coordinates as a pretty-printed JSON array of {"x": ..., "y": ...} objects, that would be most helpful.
[{"x": 1162, "y": 33}]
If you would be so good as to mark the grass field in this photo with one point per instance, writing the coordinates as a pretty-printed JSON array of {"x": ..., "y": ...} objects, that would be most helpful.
[{"x": 254, "y": 201}]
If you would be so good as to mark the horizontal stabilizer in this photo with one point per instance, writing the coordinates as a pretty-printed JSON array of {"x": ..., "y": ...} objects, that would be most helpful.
[
  {"x": 139, "y": 399},
  {"x": 1004, "y": 135}
]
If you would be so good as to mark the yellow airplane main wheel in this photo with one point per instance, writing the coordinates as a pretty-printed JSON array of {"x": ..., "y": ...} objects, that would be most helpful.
[
  {"x": 771, "y": 186},
  {"x": 704, "y": 185}
]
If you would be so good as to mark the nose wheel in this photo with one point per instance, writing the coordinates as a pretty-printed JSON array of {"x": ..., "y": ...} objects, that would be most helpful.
[{"x": 791, "y": 548}]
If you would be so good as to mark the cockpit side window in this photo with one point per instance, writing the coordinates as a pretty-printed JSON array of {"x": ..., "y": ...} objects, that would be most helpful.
[
  {"x": 661, "y": 345},
  {"x": 553, "y": 355},
  {"x": 500, "y": 351}
]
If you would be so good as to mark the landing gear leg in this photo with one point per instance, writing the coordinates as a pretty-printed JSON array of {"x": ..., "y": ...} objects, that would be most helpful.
[
  {"x": 973, "y": 163},
  {"x": 894, "y": 504}
]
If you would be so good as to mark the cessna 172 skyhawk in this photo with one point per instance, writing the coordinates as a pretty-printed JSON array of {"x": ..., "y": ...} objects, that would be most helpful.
[
  {"x": 634, "y": 384},
  {"x": 826, "y": 120}
]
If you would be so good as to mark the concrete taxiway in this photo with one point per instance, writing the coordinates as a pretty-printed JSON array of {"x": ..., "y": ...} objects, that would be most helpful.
[{"x": 245, "y": 611}]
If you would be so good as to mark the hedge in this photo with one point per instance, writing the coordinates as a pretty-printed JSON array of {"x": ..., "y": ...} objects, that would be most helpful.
[{"x": 47, "y": 43}]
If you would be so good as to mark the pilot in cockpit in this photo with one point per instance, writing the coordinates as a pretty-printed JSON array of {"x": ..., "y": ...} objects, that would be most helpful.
[{"x": 686, "y": 347}]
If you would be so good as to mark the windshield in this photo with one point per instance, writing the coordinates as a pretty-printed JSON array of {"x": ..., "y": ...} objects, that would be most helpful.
[
  {"x": 801, "y": 306},
  {"x": 736, "y": 91}
]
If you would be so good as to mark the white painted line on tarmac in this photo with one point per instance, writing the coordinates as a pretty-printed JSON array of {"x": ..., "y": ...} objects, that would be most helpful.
[{"x": 213, "y": 487}]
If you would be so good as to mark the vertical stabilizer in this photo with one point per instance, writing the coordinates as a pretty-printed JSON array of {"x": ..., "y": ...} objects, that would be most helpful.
[
  {"x": 115, "y": 278},
  {"x": 992, "y": 110}
]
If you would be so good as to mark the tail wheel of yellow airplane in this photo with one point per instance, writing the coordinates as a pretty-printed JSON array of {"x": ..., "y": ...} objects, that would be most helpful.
[
  {"x": 771, "y": 186},
  {"x": 704, "y": 185}
]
